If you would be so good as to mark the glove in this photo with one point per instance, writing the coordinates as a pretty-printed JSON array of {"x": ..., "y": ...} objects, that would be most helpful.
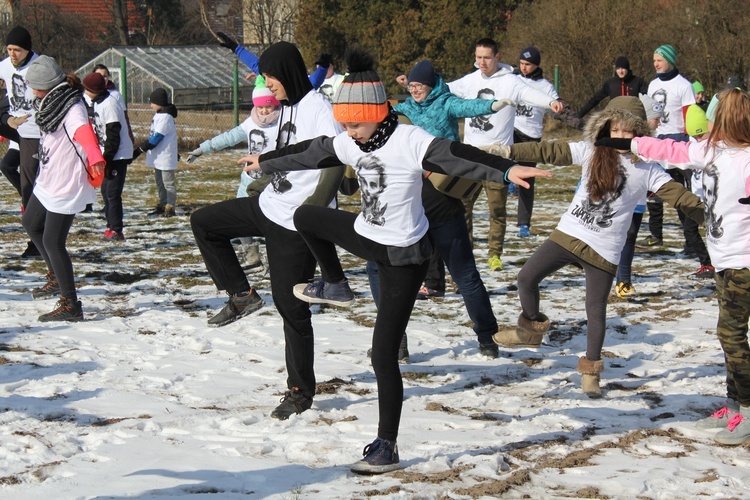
[
  {"x": 194, "y": 154},
  {"x": 324, "y": 60},
  {"x": 501, "y": 103},
  {"x": 745, "y": 201},
  {"x": 610, "y": 142},
  {"x": 17, "y": 121},
  {"x": 497, "y": 149},
  {"x": 136, "y": 153},
  {"x": 226, "y": 41}
]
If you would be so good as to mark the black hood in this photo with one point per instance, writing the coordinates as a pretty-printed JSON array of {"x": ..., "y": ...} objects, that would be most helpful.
[
  {"x": 170, "y": 109},
  {"x": 284, "y": 62}
]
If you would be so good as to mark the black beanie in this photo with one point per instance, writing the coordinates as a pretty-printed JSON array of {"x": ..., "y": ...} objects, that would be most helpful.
[
  {"x": 532, "y": 55},
  {"x": 423, "y": 72},
  {"x": 159, "y": 97},
  {"x": 19, "y": 36},
  {"x": 622, "y": 62}
]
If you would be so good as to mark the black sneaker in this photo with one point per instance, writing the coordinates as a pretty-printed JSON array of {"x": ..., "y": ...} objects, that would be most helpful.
[
  {"x": 318, "y": 291},
  {"x": 64, "y": 311},
  {"x": 31, "y": 252},
  {"x": 293, "y": 402},
  {"x": 649, "y": 242},
  {"x": 237, "y": 307},
  {"x": 49, "y": 289},
  {"x": 380, "y": 456},
  {"x": 158, "y": 210},
  {"x": 489, "y": 350}
]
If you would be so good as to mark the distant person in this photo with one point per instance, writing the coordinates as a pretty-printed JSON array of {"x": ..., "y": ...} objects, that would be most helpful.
[
  {"x": 528, "y": 128},
  {"x": 624, "y": 83},
  {"x": 332, "y": 79},
  {"x": 161, "y": 151},
  {"x": 700, "y": 95}
]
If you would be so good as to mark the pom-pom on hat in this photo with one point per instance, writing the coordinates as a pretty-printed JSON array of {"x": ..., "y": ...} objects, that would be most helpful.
[
  {"x": 696, "y": 122},
  {"x": 361, "y": 97},
  {"x": 262, "y": 95},
  {"x": 20, "y": 37},
  {"x": 668, "y": 52},
  {"x": 159, "y": 97},
  {"x": 44, "y": 74},
  {"x": 532, "y": 55},
  {"x": 94, "y": 82},
  {"x": 423, "y": 72}
]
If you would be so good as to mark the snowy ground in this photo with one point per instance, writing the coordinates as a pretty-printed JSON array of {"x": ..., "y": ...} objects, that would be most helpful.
[{"x": 143, "y": 400}]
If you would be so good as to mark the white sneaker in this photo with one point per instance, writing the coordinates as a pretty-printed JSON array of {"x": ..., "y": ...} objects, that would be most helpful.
[
  {"x": 719, "y": 418},
  {"x": 738, "y": 428}
]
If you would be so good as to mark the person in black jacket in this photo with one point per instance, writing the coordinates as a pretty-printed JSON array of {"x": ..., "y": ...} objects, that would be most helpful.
[{"x": 625, "y": 83}]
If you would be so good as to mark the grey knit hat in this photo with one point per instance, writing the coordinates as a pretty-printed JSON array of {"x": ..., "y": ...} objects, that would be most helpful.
[{"x": 44, "y": 73}]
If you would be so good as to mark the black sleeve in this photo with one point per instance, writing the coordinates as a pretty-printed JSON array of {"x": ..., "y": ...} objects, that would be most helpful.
[
  {"x": 461, "y": 160},
  {"x": 642, "y": 86},
  {"x": 305, "y": 155},
  {"x": 112, "y": 143},
  {"x": 6, "y": 130},
  {"x": 598, "y": 97}
]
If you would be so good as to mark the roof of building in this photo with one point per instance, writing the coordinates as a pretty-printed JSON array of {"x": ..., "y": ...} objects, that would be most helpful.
[{"x": 99, "y": 12}]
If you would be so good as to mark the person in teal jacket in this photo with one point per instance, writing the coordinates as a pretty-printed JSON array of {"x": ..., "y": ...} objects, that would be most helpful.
[{"x": 432, "y": 107}]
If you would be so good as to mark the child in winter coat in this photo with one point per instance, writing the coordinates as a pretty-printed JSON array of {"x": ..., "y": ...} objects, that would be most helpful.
[
  {"x": 593, "y": 230},
  {"x": 259, "y": 131},
  {"x": 391, "y": 229},
  {"x": 725, "y": 160},
  {"x": 161, "y": 151}
]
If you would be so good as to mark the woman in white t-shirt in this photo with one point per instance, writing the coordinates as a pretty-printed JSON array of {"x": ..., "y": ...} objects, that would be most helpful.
[
  {"x": 593, "y": 230},
  {"x": 68, "y": 155},
  {"x": 391, "y": 229}
]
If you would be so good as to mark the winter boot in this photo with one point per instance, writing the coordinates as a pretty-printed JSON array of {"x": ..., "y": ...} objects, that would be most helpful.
[
  {"x": 293, "y": 402},
  {"x": 591, "y": 376},
  {"x": 528, "y": 333},
  {"x": 168, "y": 211},
  {"x": 252, "y": 254},
  {"x": 719, "y": 418},
  {"x": 738, "y": 428},
  {"x": 49, "y": 289},
  {"x": 64, "y": 311}
]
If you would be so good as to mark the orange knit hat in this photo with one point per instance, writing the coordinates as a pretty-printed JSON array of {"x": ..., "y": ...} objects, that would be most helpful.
[{"x": 361, "y": 97}]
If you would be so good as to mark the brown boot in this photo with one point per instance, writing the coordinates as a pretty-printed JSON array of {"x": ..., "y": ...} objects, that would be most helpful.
[
  {"x": 528, "y": 333},
  {"x": 591, "y": 376}
]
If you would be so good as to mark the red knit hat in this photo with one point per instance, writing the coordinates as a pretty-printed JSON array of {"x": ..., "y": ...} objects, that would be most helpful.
[{"x": 94, "y": 82}]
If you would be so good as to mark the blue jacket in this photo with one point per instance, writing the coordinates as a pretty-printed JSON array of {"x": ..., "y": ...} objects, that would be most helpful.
[{"x": 438, "y": 114}]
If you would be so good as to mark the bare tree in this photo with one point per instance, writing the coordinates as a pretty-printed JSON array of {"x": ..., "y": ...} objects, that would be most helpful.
[
  {"x": 269, "y": 21},
  {"x": 119, "y": 10}
]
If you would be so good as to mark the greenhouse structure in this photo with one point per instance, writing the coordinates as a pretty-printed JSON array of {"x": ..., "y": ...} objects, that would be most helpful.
[{"x": 195, "y": 76}]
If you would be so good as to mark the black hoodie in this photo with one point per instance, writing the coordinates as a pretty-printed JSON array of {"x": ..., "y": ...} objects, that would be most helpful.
[{"x": 284, "y": 62}]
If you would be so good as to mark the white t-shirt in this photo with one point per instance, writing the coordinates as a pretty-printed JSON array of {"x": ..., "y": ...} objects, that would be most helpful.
[
  {"x": 726, "y": 179},
  {"x": 497, "y": 127},
  {"x": 330, "y": 85},
  {"x": 62, "y": 185},
  {"x": 110, "y": 111},
  {"x": 390, "y": 182},
  {"x": 259, "y": 140},
  {"x": 311, "y": 117},
  {"x": 164, "y": 155},
  {"x": 20, "y": 96},
  {"x": 672, "y": 95},
  {"x": 529, "y": 119},
  {"x": 603, "y": 225}
]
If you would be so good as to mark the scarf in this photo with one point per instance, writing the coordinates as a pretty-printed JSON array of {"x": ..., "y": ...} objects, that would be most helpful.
[
  {"x": 668, "y": 75},
  {"x": 264, "y": 121},
  {"x": 382, "y": 133},
  {"x": 52, "y": 109}
]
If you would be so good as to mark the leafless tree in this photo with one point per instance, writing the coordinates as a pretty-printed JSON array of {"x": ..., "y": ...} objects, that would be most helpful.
[{"x": 269, "y": 21}]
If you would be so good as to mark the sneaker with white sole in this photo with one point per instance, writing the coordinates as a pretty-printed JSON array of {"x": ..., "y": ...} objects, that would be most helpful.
[
  {"x": 738, "y": 428},
  {"x": 625, "y": 290},
  {"x": 719, "y": 418},
  {"x": 293, "y": 403},
  {"x": 380, "y": 456},
  {"x": 238, "y": 306},
  {"x": 318, "y": 291}
]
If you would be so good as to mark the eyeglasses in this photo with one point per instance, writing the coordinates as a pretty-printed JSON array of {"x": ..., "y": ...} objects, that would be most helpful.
[{"x": 414, "y": 87}]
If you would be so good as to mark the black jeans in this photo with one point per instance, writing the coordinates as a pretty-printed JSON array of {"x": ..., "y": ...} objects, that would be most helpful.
[
  {"x": 289, "y": 260},
  {"x": 28, "y": 149},
  {"x": 323, "y": 229},
  {"x": 49, "y": 232},
  {"x": 9, "y": 168},
  {"x": 112, "y": 186}
]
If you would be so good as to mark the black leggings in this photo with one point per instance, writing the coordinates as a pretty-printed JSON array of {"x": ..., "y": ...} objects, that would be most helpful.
[
  {"x": 550, "y": 257},
  {"x": 9, "y": 167},
  {"x": 323, "y": 229},
  {"x": 49, "y": 232}
]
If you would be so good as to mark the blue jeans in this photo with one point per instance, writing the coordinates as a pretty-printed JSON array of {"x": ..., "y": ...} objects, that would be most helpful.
[{"x": 451, "y": 240}]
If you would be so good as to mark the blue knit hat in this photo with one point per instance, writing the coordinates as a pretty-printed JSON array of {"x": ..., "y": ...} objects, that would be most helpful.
[
  {"x": 669, "y": 54},
  {"x": 423, "y": 72}
]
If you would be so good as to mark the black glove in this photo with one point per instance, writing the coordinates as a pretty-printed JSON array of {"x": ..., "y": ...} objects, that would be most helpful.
[
  {"x": 226, "y": 41},
  {"x": 136, "y": 153},
  {"x": 745, "y": 201},
  {"x": 324, "y": 59},
  {"x": 611, "y": 142}
]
